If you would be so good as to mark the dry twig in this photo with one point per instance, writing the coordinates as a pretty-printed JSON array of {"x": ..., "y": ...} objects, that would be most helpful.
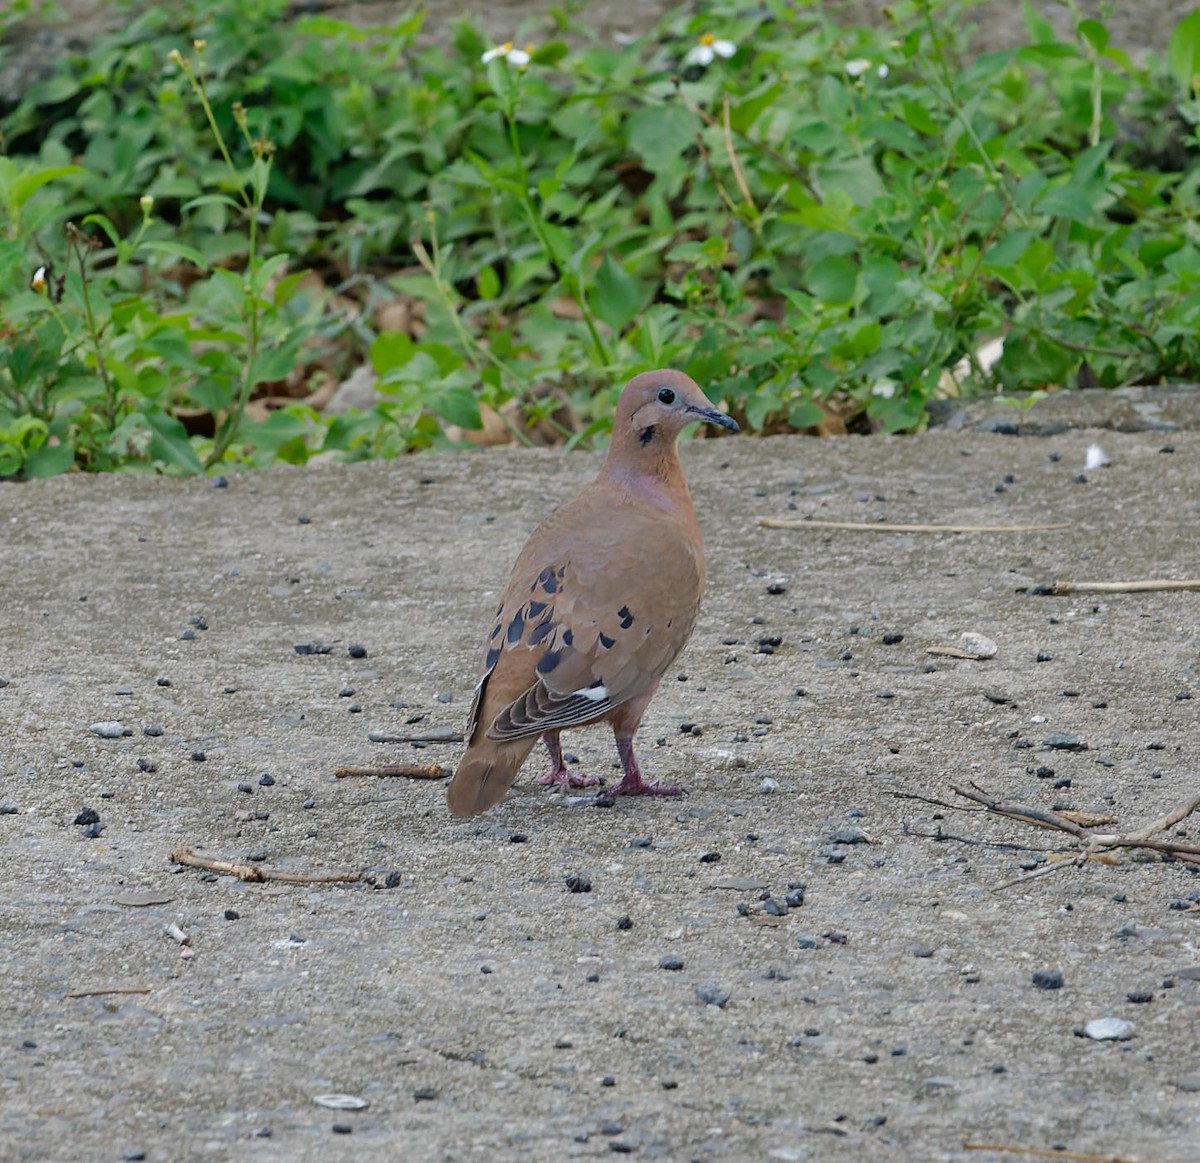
[
  {"x": 106, "y": 992},
  {"x": 254, "y": 874},
  {"x": 887, "y": 527},
  {"x": 431, "y": 737},
  {"x": 1044, "y": 1153},
  {"x": 397, "y": 771},
  {"x": 1062, "y": 588},
  {"x": 1094, "y": 845}
]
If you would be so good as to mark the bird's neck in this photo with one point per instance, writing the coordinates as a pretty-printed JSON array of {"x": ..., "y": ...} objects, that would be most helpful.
[{"x": 649, "y": 470}]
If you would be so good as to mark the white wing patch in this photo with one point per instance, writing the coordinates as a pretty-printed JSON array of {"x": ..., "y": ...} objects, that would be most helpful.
[{"x": 597, "y": 694}]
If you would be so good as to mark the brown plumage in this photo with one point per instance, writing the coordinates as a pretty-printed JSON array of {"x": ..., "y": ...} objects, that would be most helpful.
[{"x": 601, "y": 601}]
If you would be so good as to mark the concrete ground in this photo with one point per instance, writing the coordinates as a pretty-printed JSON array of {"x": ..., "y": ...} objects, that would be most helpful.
[{"x": 479, "y": 1007}]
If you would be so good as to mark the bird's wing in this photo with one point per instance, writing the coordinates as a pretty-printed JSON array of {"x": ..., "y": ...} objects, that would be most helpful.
[{"x": 588, "y": 621}]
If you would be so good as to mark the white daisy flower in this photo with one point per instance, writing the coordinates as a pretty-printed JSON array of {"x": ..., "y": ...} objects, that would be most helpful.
[
  {"x": 709, "y": 48},
  {"x": 515, "y": 56},
  {"x": 882, "y": 71},
  {"x": 38, "y": 282},
  {"x": 885, "y": 389},
  {"x": 858, "y": 66}
]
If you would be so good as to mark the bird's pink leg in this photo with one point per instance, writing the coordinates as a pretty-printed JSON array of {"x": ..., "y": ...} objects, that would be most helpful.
[
  {"x": 632, "y": 784},
  {"x": 559, "y": 772}
]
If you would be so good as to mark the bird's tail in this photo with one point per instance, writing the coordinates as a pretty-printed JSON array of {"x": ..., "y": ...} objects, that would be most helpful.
[{"x": 485, "y": 772}]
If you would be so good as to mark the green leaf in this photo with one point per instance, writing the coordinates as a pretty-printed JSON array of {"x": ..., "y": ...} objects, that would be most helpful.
[
  {"x": 1183, "y": 50},
  {"x": 833, "y": 280},
  {"x": 175, "y": 250},
  {"x": 1094, "y": 33},
  {"x": 105, "y": 225},
  {"x": 487, "y": 282},
  {"x": 49, "y": 460},
  {"x": 392, "y": 349},
  {"x": 660, "y": 133},
  {"x": 1041, "y": 31},
  {"x": 28, "y": 184},
  {"x": 615, "y": 297},
  {"x": 170, "y": 442},
  {"x": 806, "y": 414},
  {"x": 457, "y": 404}
]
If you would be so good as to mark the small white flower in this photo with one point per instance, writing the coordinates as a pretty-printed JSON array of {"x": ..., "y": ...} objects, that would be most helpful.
[
  {"x": 884, "y": 388},
  {"x": 515, "y": 56},
  {"x": 858, "y": 66},
  {"x": 1096, "y": 458},
  {"x": 38, "y": 282},
  {"x": 882, "y": 71},
  {"x": 709, "y": 48}
]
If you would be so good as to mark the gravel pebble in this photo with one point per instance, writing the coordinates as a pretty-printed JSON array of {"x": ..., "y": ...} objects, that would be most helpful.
[
  {"x": 1109, "y": 1030},
  {"x": 1064, "y": 741},
  {"x": 671, "y": 963},
  {"x": 111, "y": 729},
  {"x": 1048, "y": 979}
]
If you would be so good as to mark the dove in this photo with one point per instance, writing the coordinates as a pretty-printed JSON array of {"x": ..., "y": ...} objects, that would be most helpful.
[{"x": 603, "y": 598}]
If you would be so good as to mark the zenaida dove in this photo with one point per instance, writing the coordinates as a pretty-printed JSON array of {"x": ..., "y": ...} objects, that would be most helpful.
[{"x": 602, "y": 600}]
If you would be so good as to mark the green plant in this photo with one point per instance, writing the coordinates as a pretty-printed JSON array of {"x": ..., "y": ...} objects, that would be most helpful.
[{"x": 815, "y": 221}]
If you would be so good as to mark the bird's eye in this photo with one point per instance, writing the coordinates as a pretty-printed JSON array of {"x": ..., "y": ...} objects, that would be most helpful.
[{"x": 666, "y": 396}]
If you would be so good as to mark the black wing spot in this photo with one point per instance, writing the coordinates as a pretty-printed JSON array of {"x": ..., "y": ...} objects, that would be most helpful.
[
  {"x": 547, "y": 580},
  {"x": 493, "y": 656},
  {"x": 568, "y": 638},
  {"x": 535, "y": 608},
  {"x": 549, "y": 661},
  {"x": 516, "y": 628},
  {"x": 541, "y": 630},
  {"x": 626, "y": 617},
  {"x": 647, "y": 434},
  {"x": 606, "y": 641},
  {"x": 496, "y": 632}
]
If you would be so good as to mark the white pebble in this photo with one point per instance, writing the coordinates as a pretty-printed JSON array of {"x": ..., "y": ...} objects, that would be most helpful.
[
  {"x": 768, "y": 786},
  {"x": 1109, "y": 1030},
  {"x": 979, "y": 644},
  {"x": 1096, "y": 458},
  {"x": 110, "y": 730}
]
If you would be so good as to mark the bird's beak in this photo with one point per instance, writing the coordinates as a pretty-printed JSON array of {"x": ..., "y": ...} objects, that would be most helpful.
[{"x": 713, "y": 416}]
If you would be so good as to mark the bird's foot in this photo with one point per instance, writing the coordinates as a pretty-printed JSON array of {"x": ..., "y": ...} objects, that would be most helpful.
[
  {"x": 565, "y": 778},
  {"x": 635, "y": 785}
]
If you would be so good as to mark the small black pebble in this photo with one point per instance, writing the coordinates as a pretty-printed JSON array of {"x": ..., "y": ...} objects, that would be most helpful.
[
  {"x": 773, "y": 909},
  {"x": 356, "y": 651},
  {"x": 1081, "y": 479},
  {"x": 603, "y": 801},
  {"x": 232, "y": 914},
  {"x": 303, "y": 520},
  {"x": 1156, "y": 746},
  {"x": 608, "y": 1080},
  {"x": 795, "y": 898},
  {"x": 222, "y": 482},
  {"x": 92, "y": 831},
  {"x": 247, "y": 788},
  {"x": 922, "y": 951},
  {"x": 347, "y": 692},
  {"x": 777, "y": 588},
  {"x": 87, "y": 816},
  {"x": 892, "y": 639},
  {"x": 710, "y": 857},
  {"x": 1048, "y": 979},
  {"x": 593, "y": 977},
  {"x": 199, "y": 622},
  {"x": 1062, "y": 783},
  {"x": 1044, "y": 657},
  {"x": 146, "y": 766},
  {"x": 1056, "y": 457},
  {"x": 1183, "y": 695},
  {"x": 132, "y": 1154},
  {"x": 640, "y": 842},
  {"x": 152, "y": 731},
  {"x": 624, "y": 923},
  {"x": 671, "y": 963},
  {"x": 342, "y": 1129},
  {"x": 162, "y": 681},
  {"x": 1140, "y": 996},
  {"x": 578, "y": 884},
  {"x": 197, "y": 757},
  {"x": 266, "y": 781},
  {"x": 670, "y": 1084},
  {"x": 309, "y": 804},
  {"x": 1167, "y": 448},
  {"x": 187, "y": 635},
  {"x": 1009, "y": 479},
  {"x": 836, "y": 937},
  {"x": 518, "y": 838},
  {"x": 870, "y": 1059},
  {"x": 620, "y": 1148}
]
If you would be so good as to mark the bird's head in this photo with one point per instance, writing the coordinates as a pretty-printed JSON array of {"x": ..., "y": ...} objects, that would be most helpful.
[{"x": 656, "y": 406}]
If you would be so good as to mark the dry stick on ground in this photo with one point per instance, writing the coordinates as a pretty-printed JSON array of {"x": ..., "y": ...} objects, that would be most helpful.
[
  {"x": 1062, "y": 588},
  {"x": 106, "y": 992},
  {"x": 888, "y": 527},
  {"x": 398, "y": 771},
  {"x": 1044, "y": 1153},
  {"x": 1095, "y": 844},
  {"x": 431, "y": 737},
  {"x": 252, "y": 873}
]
